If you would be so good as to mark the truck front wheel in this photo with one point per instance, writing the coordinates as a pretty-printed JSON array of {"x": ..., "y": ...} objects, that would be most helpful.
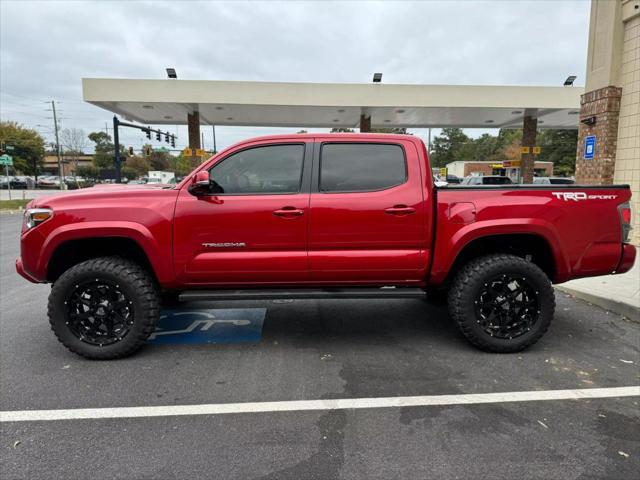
[
  {"x": 104, "y": 308},
  {"x": 501, "y": 303}
]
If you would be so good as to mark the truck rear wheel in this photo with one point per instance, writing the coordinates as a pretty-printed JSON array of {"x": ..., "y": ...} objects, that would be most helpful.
[
  {"x": 502, "y": 303},
  {"x": 104, "y": 308}
]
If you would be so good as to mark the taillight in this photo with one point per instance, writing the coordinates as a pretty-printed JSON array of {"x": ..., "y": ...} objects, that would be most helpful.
[{"x": 624, "y": 210}]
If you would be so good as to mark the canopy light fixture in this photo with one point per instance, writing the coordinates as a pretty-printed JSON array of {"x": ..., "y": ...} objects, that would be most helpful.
[
  {"x": 171, "y": 73},
  {"x": 569, "y": 81},
  {"x": 377, "y": 77}
]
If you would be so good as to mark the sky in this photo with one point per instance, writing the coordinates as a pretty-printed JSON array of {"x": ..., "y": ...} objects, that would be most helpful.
[{"x": 47, "y": 47}]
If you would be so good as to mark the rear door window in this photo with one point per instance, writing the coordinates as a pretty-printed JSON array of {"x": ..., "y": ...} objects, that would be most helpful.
[{"x": 361, "y": 167}]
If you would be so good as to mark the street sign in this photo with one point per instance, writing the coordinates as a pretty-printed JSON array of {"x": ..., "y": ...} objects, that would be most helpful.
[
  {"x": 6, "y": 160},
  {"x": 9, "y": 148},
  {"x": 537, "y": 150},
  {"x": 511, "y": 164},
  {"x": 589, "y": 147},
  {"x": 187, "y": 152},
  {"x": 200, "y": 152},
  {"x": 524, "y": 149},
  {"x": 443, "y": 172}
]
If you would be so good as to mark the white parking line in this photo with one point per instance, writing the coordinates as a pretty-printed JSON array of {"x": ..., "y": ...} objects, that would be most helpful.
[{"x": 306, "y": 405}]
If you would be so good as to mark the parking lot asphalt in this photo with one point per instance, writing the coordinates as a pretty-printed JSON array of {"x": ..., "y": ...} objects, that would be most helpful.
[{"x": 321, "y": 350}]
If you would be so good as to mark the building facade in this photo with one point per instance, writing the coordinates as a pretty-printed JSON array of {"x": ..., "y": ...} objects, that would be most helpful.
[
  {"x": 69, "y": 164},
  {"x": 610, "y": 106},
  {"x": 463, "y": 169}
]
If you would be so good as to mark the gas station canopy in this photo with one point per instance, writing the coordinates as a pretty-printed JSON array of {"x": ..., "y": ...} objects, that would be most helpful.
[{"x": 334, "y": 104}]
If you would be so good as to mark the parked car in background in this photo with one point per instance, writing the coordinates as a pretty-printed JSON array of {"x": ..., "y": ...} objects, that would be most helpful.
[
  {"x": 452, "y": 179},
  {"x": 51, "y": 181},
  {"x": 553, "y": 181},
  {"x": 20, "y": 183},
  {"x": 486, "y": 180}
]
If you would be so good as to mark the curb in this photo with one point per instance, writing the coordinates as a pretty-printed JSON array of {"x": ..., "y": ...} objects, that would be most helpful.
[{"x": 621, "y": 308}]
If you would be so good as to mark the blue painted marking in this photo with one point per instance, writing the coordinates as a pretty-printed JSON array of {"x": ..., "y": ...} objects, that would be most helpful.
[
  {"x": 589, "y": 147},
  {"x": 209, "y": 325}
]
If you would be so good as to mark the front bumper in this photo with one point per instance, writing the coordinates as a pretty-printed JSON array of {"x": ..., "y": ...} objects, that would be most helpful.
[
  {"x": 23, "y": 273},
  {"x": 627, "y": 258}
]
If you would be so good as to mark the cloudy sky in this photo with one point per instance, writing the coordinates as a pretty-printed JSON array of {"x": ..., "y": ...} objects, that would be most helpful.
[{"x": 46, "y": 47}]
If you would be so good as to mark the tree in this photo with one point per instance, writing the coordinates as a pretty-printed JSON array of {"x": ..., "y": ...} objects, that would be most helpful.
[
  {"x": 28, "y": 147},
  {"x": 139, "y": 165},
  {"x": 128, "y": 173},
  {"x": 104, "y": 150},
  {"x": 398, "y": 130},
  {"x": 447, "y": 146},
  {"x": 73, "y": 140},
  {"x": 161, "y": 160},
  {"x": 74, "y": 143},
  {"x": 559, "y": 147},
  {"x": 88, "y": 171}
]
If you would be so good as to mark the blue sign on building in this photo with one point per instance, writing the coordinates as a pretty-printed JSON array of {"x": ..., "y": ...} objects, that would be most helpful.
[{"x": 589, "y": 147}]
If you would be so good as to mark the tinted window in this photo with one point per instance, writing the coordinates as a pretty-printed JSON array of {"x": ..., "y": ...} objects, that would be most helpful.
[
  {"x": 269, "y": 169},
  {"x": 359, "y": 167},
  {"x": 561, "y": 181},
  {"x": 496, "y": 180}
]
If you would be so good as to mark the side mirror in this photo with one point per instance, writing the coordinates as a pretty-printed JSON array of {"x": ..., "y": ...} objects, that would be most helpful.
[{"x": 200, "y": 184}]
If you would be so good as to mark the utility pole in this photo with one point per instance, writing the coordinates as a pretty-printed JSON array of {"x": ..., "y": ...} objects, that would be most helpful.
[
  {"x": 215, "y": 149},
  {"x": 55, "y": 127},
  {"x": 202, "y": 139}
]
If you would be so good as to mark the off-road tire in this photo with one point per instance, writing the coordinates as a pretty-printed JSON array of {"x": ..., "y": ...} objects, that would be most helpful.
[
  {"x": 133, "y": 280},
  {"x": 467, "y": 286}
]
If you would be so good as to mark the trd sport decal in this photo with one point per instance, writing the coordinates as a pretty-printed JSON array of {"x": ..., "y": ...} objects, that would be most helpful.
[{"x": 578, "y": 196}]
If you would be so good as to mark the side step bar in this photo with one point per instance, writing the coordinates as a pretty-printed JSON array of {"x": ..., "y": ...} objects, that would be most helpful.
[{"x": 302, "y": 293}]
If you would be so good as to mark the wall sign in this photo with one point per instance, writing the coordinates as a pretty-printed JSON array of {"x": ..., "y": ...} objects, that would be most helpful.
[{"x": 589, "y": 147}]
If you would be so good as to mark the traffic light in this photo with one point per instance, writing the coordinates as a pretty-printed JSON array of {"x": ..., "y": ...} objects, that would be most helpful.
[
  {"x": 173, "y": 141},
  {"x": 166, "y": 137},
  {"x": 147, "y": 150},
  {"x": 148, "y": 132},
  {"x": 131, "y": 151},
  {"x": 158, "y": 137}
]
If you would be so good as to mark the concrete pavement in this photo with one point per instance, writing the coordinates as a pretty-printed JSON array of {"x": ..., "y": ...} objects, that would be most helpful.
[{"x": 617, "y": 293}]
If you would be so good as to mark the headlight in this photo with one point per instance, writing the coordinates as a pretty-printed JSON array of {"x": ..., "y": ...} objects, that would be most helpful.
[{"x": 35, "y": 216}]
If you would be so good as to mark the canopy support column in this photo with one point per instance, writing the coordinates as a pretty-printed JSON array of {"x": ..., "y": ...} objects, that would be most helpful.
[{"x": 527, "y": 160}]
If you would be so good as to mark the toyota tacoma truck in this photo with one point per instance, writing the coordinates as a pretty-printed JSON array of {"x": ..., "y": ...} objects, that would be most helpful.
[{"x": 318, "y": 216}]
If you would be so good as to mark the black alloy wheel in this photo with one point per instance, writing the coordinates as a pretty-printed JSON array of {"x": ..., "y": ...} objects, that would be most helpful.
[{"x": 99, "y": 313}]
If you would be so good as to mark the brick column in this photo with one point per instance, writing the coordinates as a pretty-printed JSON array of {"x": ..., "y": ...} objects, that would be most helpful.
[
  {"x": 365, "y": 123},
  {"x": 527, "y": 160},
  {"x": 603, "y": 106}
]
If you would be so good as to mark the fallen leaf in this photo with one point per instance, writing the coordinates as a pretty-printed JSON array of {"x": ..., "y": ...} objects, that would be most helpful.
[
  {"x": 626, "y": 361},
  {"x": 625, "y": 455},
  {"x": 16, "y": 443},
  {"x": 543, "y": 424}
]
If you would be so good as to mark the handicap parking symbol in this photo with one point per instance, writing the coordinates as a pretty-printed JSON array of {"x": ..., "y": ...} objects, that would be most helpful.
[{"x": 209, "y": 325}]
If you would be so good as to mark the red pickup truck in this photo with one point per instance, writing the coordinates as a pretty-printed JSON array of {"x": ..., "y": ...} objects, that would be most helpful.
[{"x": 318, "y": 216}]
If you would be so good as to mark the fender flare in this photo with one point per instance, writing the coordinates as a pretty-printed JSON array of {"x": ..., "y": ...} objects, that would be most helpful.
[
  {"x": 512, "y": 226},
  {"x": 100, "y": 229}
]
